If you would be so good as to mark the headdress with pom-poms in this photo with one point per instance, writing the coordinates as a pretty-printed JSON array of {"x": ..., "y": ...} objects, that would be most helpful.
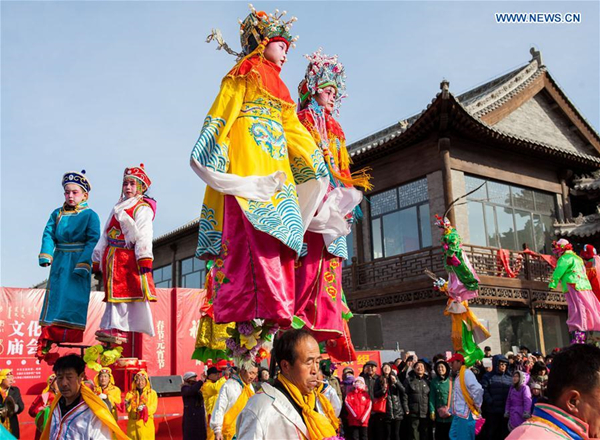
[
  {"x": 442, "y": 222},
  {"x": 561, "y": 246},
  {"x": 258, "y": 29},
  {"x": 588, "y": 252},
  {"x": 322, "y": 71},
  {"x": 139, "y": 174},
  {"x": 77, "y": 178}
]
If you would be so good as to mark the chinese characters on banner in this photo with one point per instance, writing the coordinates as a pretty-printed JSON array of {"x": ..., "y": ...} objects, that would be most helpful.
[
  {"x": 19, "y": 331},
  {"x": 362, "y": 357}
]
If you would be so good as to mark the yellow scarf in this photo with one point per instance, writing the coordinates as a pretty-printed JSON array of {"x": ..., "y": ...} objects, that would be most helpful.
[
  {"x": 319, "y": 426},
  {"x": 231, "y": 415},
  {"x": 465, "y": 392},
  {"x": 99, "y": 409}
]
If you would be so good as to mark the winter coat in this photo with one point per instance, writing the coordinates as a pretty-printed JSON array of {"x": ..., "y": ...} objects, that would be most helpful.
[
  {"x": 15, "y": 394},
  {"x": 358, "y": 406},
  {"x": 439, "y": 393},
  {"x": 417, "y": 391},
  {"x": 396, "y": 399},
  {"x": 496, "y": 387},
  {"x": 518, "y": 404}
]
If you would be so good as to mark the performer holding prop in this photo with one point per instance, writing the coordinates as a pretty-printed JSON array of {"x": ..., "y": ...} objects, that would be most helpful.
[
  {"x": 67, "y": 244},
  {"x": 462, "y": 285},
  {"x": 320, "y": 304},
  {"x": 265, "y": 179},
  {"x": 124, "y": 256},
  {"x": 583, "y": 306}
]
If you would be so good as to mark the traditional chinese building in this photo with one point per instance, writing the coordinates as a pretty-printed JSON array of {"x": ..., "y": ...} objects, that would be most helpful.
[
  {"x": 519, "y": 139},
  {"x": 523, "y": 142}
]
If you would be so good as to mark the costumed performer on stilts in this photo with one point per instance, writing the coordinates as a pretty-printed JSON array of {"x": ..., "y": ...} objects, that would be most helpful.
[
  {"x": 124, "y": 256},
  {"x": 320, "y": 302},
  {"x": 592, "y": 266},
  {"x": 462, "y": 286},
  {"x": 265, "y": 179},
  {"x": 582, "y": 305},
  {"x": 141, "y": 404},
  {"x": 67, "y": 244}
]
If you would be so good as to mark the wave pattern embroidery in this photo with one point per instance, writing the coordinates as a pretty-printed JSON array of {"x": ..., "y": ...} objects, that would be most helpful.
[
  {"x": 209, "y": 239},
  {"x": 207, "y": 150},
  {"x": 339, "y": 248},
  {"x": 283, "y": 221}
]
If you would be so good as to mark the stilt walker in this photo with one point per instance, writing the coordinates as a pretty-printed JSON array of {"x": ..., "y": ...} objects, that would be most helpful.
[
  {"x": 265, "y": 179},
  {"x": 462, "y": 286},
  {"x": 67, "y": 244},
  {"x": 582, "y": 305},
  {"x": 320, "y": 303},
  {"x": 592, "y": 267},
  {"x": 124, "y": 256}
]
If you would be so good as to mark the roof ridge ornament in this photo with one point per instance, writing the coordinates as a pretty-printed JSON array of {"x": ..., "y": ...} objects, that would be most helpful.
[
  {"x": 445, "y": 88},
  {"x": 536, "y": 55}
]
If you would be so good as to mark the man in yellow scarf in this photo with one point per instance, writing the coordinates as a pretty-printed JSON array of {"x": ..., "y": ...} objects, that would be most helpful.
[
  {"x": 292, "y": 408},
  {"x": 76, "y": 412},
  {"x": 233, "y": 396},
  {"x": 467, "y": 397}
]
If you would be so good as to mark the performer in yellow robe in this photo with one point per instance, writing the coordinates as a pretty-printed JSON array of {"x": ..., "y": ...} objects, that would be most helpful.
[
  {"x": 107, "y": 390},
  {"x": 265, "y": 178},
  {"x": 141, "y": 404},
  {"x": 210, "y": 392}
]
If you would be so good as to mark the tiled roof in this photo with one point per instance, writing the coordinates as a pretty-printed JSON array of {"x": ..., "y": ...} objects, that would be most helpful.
[
  {"x": 582, "y": 226},
  {"x": 478, "y": 102},
  {"x": 189, "y": 225},
  {"x": 587, "y": 183}
]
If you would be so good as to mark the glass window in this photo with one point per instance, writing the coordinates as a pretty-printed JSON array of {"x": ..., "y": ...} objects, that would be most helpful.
[
  {"x": 524, "y": 229},
  {"x": 554, "y": 329},
  {"x": 523, "y": 198},
  {"x": 400, "y": 221},
  {"x": 401, "y": 232},
  {"x": 490, "y": 225},
  {"x": 513, "y": 215},
  {"x": 506, "y": 227},
  {"x": 516, "y": 328},
  {"x": 384, "y": 202},
  {"x": 498, "y": 193},
  {"x": 162, "y": 276},
  {"x": 425, "y": 224},
  {"x": 350, "y": 245},
  {"x": 476, "y": 223},
  {"x": 377, "y": 245},
  {"x": 193, "y": 273},
  {"x": 474, "y": 182},
  {"x": 545, "y": 203}
]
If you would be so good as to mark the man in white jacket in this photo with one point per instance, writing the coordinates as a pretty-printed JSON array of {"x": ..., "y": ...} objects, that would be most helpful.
[
  {"x": 277, "y": 412},
  {"x": 465, "y": 407},
  {"x": 228, "y": 396}
]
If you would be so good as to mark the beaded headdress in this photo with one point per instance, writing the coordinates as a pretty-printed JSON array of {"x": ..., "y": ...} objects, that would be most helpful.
[
  {"x": 322, "y": 71},
  {"x": 561, "y": 246},
  {"x": 77, "y": 179},
  {"x": 139, "y": 174},
  {"x": 258, "y": 27}
]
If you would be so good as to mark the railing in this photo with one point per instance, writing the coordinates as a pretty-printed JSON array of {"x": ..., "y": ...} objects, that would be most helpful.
[{"x": 406, "y": 267}]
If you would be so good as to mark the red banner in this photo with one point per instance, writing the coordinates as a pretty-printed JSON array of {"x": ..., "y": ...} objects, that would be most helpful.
[
  {"x": 362, "y": 357},
  {"x": 188, "y": 318},
  {"x": 156, "y": 351}
]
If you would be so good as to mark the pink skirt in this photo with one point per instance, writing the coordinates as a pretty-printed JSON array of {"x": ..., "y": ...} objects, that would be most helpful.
[
  {"x": 319, "y": 290},
  {"x": 257, "y": 278},
  {"x": 584, "y": 310}
]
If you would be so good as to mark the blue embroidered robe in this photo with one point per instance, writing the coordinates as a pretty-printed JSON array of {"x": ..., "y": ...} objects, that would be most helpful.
[{"x": 67, "y": 244}]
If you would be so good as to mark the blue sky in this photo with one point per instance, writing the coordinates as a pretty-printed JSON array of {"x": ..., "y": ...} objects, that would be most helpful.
[{"x": 105, "y": 85}]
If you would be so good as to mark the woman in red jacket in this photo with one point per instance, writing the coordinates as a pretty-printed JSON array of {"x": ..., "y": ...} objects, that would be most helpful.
[{"x": 358, "y": 403}]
